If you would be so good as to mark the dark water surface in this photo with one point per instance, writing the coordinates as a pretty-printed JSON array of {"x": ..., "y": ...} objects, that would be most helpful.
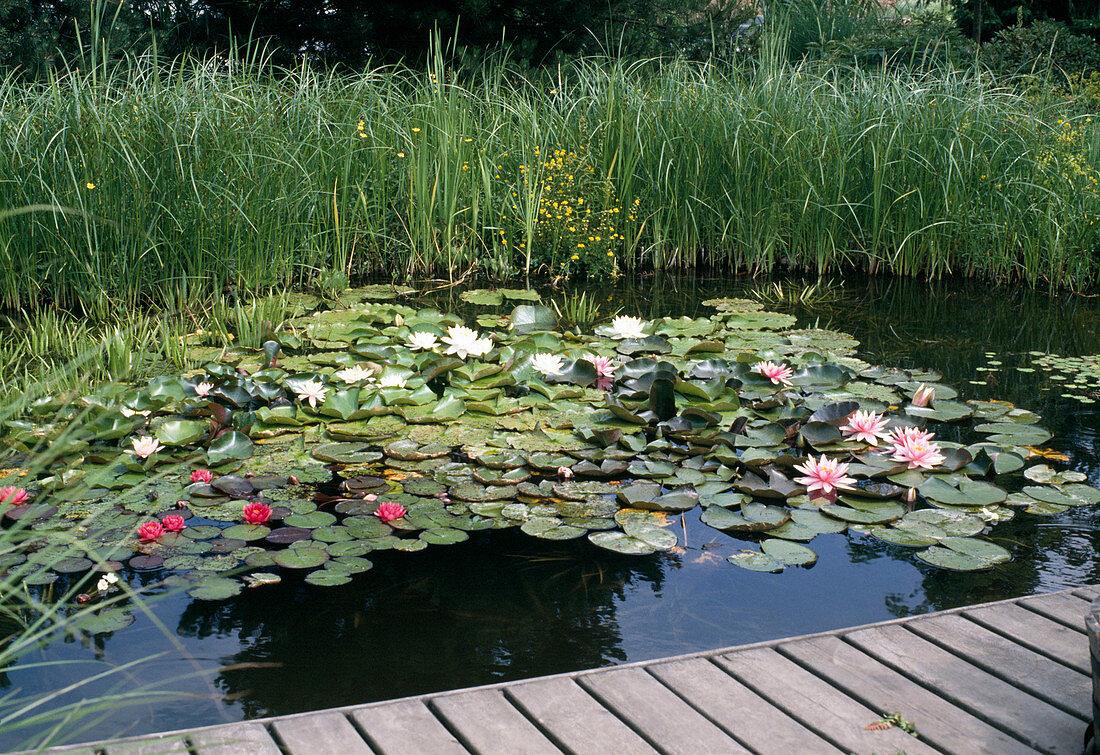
[{"x": 506, "y": 606}]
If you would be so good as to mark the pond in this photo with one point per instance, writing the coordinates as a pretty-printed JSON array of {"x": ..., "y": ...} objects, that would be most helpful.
[{"x": 502, "y": 605}]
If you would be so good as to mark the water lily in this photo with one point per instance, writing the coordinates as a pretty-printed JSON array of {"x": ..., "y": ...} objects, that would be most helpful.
[
  {"x": 824, "y": 474},
  {"x": 392, "y": 380},
  {"x": 204, "y": 388},
  {"x": 463, "y": 342},
  {"x": 173, "y": 523},
  {"x": 150, "y": 530},
  {"x": 605, "y": 368},
  {"x": 202, "y": 475},
  {"x": 387, "y": 511},
  {"x": 145, "y": 446},
  {"x": 625, "y": 326},
  {"x": 256, "y": 513},
  {"x": 868, "y": 427},
  {"x": 924, "y": 395},
  {"x": 312, "y": 392},
  {"x": 918, "y": 453},
  {"x": 356, "y": 374},
  {"x": 106, "y": 582},
  {"x": 422, "y": 340},
  {"x": 901, "y": 436},
  {"x": 13, "y": 495},
  {"x": 564, "y": 473},
  {"x": 547, "y": 364},
  {"x": 779, "y": 374}
]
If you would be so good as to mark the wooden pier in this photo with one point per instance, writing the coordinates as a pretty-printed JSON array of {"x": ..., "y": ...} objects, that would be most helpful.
[{"x": 1002, "y": 678}]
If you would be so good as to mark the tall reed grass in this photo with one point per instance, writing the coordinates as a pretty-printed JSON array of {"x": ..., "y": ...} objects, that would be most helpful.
[{"x": 183, "y": 183}]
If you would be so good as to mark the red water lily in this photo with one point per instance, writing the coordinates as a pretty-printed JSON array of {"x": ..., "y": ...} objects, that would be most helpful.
[
  {"x": 173, "y": 523},
  {"x": 202, "y": 475},
  {"x": 150, "y": 531},
  {"x": 256, "y": 513}
]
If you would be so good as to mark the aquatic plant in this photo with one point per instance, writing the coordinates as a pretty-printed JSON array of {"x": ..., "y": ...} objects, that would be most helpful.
[{"x": 482, "y": 438}]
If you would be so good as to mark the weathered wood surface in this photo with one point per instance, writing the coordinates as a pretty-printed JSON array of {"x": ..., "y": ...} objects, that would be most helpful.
[{"x": 1005, "y": 678}]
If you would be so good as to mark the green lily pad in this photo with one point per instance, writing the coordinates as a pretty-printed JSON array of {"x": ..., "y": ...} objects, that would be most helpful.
[
  {"x": 788, "y": 553},
  {"x": 754, "y": 561},
  {"x": 953, "y": 560},
  {"x": 328, "y": 577},
  {"x": 301, "y": 558},
  {"x": 215, "y": 588}
]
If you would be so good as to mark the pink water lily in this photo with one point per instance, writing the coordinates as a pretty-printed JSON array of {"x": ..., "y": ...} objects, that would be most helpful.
[
  {"x": 150, "y": 531},
  {"x": 918, "y": 453},
  {"x": 868, "y": 427},
  {"x": 204, "y": 388},
  {"x": 605, "y": 368},
  {"x": 173, "y": 523},
  {"x": 13, "y": 495},
  {"x": 388, "y": 511},
  {"x": 145, "y": 446},
  {"x": 901, "y": 436},
  {"x": 924, "y": 395},
  {"x": 824, "y": 474},
  {"x": 779, "y": 374},
  {"x": 202, "y": 475}
]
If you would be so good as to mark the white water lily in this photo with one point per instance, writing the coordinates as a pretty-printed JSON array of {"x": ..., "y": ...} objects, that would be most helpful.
[
  {"x": 463, "y": 342},
  {"x": 423, "y": 340},
  {"x": 547, "y": 364},
  {"x": 105, "y": 582},
  {"x": 393, "y": 380},
  {"x": 204, "y": 388},
  {"x": 626, "y": 326},
  {"x": 356, "y": 374},
  {"x": 312, "y": 392},
  {"x": 145, "y": 446}
]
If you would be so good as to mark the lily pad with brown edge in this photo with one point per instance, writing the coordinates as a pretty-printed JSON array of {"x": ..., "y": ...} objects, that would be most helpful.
[{"x": 953, "y": 560}]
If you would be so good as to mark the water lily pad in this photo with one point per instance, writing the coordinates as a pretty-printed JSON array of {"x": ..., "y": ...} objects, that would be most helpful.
[
  {"x": 328, "y": 577},
  {"x": 788, "y": 553},
  {"x": 907, "y": 538},
  {"x": 409, "y": 545},
  {"x": 620, "y": 542},
  {"x": 978, "y": 548},
  {"x": 443, "y": 536},
  {"x": 247, "y": 532},
  {"x": 755, "y": 561},
  {"x": 860, "y": 511},
  {"x": 953, "y": 560},
  {"x": 301, "y": 558},
  {"x": 215, "y": 588},
  {"x": 104, "y": 621}
]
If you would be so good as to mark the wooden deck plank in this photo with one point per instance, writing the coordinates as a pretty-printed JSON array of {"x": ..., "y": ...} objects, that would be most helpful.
[
  {"x": 1089, "y": 593},
  {"x": 486, "y": 722},
  {"x": 657, "y": 713},
  {"x": 754, "y": 721},
  {"x": 1028, "y": 718},
  {"x": 574, "y": 719},
  {"x": 1063, "y": 606},
  {"x": 817, "y": 704},
  {"x": 1045, "y": 636},
  {"x": 233, "y": 739},
  {"x": 880, "y": 688},
  {"x": 320, "y": 732},
  {"x": 406, "y": 727},
  {"x": 170, "y": 745},
  {"x": 1057, "y": 684}
]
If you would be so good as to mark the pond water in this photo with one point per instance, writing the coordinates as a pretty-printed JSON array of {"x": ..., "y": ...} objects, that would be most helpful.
[{"x": 505, "y": 606}]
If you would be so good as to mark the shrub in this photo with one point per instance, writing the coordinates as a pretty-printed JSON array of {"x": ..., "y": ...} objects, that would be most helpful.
[
  {"x": 920, "y": 38},
  {"x": 1041, "y": 48}
]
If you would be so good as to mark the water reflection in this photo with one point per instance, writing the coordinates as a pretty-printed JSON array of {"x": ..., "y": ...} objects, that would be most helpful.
[
  {"x": 504, "y": 606},
  {"x": 492, "y": 609}
]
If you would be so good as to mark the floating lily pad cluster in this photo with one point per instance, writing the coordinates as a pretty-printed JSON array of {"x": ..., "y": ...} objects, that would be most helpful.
[
  {"x": 1078, "y": 377},
  {"x": 606, "y": 435}
]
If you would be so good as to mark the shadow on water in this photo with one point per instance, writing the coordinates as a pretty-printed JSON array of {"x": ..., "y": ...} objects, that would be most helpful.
[{"x": 504, "y": 606}]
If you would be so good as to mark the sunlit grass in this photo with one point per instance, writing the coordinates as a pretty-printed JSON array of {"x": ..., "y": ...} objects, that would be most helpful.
[{"x": 182, "y": 184}]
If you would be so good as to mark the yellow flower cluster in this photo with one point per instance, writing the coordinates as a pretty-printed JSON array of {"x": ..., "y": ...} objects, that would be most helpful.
[
  {"x": 579, "y": 220},
  {"x": 1066, "y": 159}
]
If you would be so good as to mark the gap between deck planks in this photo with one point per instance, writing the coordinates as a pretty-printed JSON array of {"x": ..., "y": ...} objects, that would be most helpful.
[{"x": 999, "y": 678}]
